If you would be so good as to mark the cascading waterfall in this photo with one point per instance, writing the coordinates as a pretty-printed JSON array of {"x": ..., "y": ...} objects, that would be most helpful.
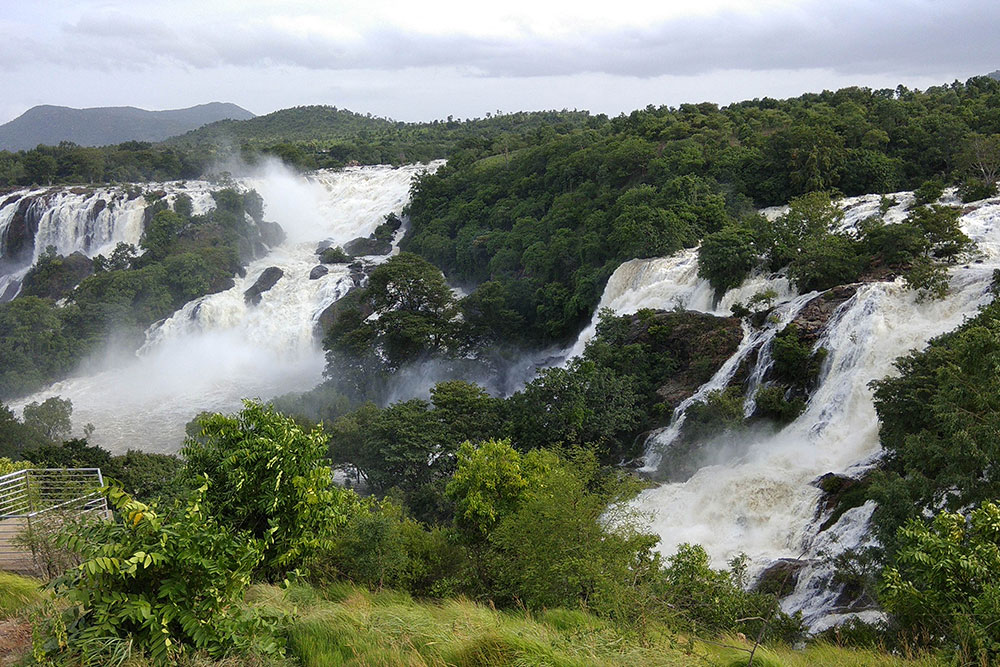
[
  {"x": 760, "y": 499},
  {"x": 91, "y": 221},
  {"x": 218, "y": 349}
]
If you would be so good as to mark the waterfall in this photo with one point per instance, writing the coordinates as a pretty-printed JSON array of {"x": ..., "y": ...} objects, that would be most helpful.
[
  {"x": 88, "y": 220},
  {"x": 759, "y": 498},
  {"x": 219, "y": 349}
]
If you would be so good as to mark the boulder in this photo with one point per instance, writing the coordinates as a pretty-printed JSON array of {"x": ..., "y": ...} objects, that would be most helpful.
[
  {"x": 318, "y": 272},
  {"x": 271, "y": 233},
  {"x": 813, "y": 317},
  {"x": 780, "y": 577},
  {"x": 368, "y": 246},
  {"x": 267, "y": 279}
]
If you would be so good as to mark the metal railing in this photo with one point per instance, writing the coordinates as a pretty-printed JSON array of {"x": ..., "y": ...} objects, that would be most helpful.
[{"x": 44, "y": 498}]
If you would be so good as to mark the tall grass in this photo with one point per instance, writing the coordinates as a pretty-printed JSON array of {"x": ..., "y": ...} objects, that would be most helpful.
[{"x": 17, "y": 593}]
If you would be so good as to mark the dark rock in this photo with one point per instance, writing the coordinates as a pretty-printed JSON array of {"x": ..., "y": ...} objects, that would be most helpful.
[
  {"x": 813, "y": 317},
  {"x": 19, "y": 238},
  {"x": 318, "y": 272},
  {"x": 369, "y": 246},
  {"x": 99, "y": 206},
  {"x": 780, "y": 577},
  {"x": 323, "y": 245},
  {"x": 9, "y": 200},
  {"x": 271, "y": 233},
  {"x": 267, "y": 279},
  {"x": 350, "y": 301}
]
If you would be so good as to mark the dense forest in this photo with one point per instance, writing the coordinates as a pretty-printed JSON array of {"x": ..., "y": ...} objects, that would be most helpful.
[{"x": 523, "y": 502}]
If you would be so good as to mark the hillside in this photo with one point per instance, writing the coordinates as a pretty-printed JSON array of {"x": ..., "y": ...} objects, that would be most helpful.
[
  {"x": 314, "y": 137},
  {"x": 102, "y": 126}
]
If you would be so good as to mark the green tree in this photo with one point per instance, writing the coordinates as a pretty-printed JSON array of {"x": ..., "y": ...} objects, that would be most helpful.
[
  {"x": 52, "y": 417},
  {"x": 269, "y": 478}
]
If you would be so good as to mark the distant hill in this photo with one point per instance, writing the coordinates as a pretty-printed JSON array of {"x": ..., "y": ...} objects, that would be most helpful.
[
  {"x": 101, "y": 126},
  {"x": 306, "y": 123},
  {"x": 324, "y": 125},
  {"x": 995, "y": 74}
]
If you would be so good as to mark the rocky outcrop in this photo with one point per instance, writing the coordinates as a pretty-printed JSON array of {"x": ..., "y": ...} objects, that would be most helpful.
[
  {"x": 267, "y": 280},
  {"x": 813, "y": 317},
  {"x": 368, "y": 246},
  {"x": 18, "y": 243},
  {"x": 780, "y": 577},
  {"x": 318, "y": 272},
  {"x": 271, "y": 233},
  {"x": 351, "y": 301},
  {"x": 697, "y": 345}
]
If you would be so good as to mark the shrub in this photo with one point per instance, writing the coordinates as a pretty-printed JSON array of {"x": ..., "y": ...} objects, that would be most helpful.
[
  {"x": 928, "y": 192},
  {"x": 772, "y": 404},
  {"x": 334, "y": 255},
  {"x": 165, "y": 584},
  {"x": 270, "y": 478},
  {"x": 974, "y": 189},
  {"x": 944, "y": 586},
  {"x": 715, "y": 600}
]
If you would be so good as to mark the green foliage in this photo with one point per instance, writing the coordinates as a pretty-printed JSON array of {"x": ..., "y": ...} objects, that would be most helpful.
[
  {"x": 52, "y": 417},
  {"x": 54, "y": 276},
  {"x": 334, "y": 255},
  {"x": 825, "y": 261},
  {"x": 929, "y": 192},
  {"x": 943, "y": 587},
  {"x": 716, "y": 600},
  {"x": 973, "y": 189},
  {"x": 269, "y": 478},
  {"x": 165, "y": 583},
  {"x": 417, "y": 319},
  {"x": 772, "y": 404},
  {"x": 489, "y": 482},
  {"x": 720, "y": 411},
  {"x": 727, "y": 257},
  {"x": 581, "y": 404},
  {"x": 939, "y": 425},
  {"x": 380, "y": 547},
  {"x": 795, "y": 362}
]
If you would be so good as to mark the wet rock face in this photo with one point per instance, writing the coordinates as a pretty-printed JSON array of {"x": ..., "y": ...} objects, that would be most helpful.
[
  {"x": 18, "y": 242},
  {"x": 267, "y": 280},
  {"x": 271, "y": 233},
  {"x": 780, "y": 577},
  {"x": 318, "y": 272},
  {"x": 813, "y": 317},
  {"x": 368, "y": 246}
]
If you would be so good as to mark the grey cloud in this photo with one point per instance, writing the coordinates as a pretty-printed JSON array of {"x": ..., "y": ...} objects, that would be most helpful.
[{"x": 902, "y": 37}]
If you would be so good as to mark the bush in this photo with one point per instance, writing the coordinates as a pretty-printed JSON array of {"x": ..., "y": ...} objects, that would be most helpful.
[
  {"x": 334, "y": 255},
  {"x": 974, "y": 189},
  {"x": 715, "y": 600},
  {"x": 727, "y": 257},
  {"x": 772, "y": 404},
  {"x": 944, "y": 586},
  {"x": 795, "y": 363},
  {"x": 928, "y": 192},
  {"x": 270, "y": 478},
  {"x": 163, "y": 584}
]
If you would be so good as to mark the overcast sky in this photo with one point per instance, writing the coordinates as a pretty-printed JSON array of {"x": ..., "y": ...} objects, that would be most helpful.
[{"x": 423, "y": 60}]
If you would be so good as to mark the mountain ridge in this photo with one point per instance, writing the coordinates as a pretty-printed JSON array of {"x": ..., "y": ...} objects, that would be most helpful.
[{"x": 100, "y": 126}]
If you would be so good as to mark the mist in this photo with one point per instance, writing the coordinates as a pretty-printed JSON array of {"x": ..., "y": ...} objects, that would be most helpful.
[{"x": 218, "y": 349}]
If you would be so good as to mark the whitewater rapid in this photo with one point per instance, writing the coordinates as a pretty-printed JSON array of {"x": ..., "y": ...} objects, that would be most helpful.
[
  {"x": 219, "y": 349},
  {"x": 759, "y": 497}
]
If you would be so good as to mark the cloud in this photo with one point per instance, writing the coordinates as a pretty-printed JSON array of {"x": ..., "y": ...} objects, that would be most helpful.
[{"x": 903, "y": 37}]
